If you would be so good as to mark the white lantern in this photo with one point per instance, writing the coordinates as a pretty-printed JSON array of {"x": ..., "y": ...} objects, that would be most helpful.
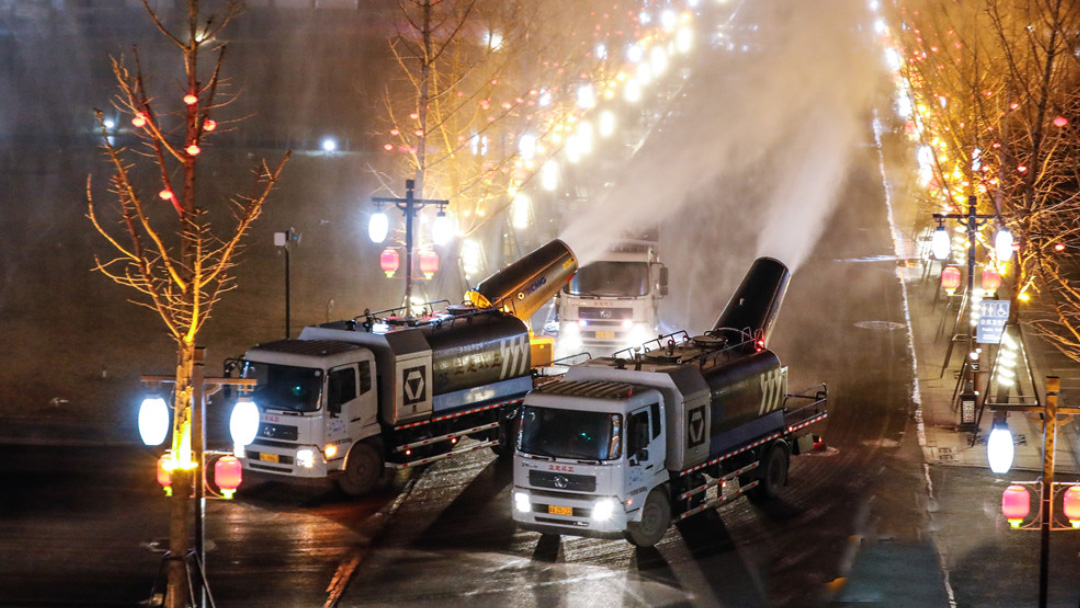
[
  {"x": 1003, "y": 244},
  {"x": 153, "y": 420},
  {"x": 999, "y": 449},
  {"x": 940, "y": 245},
  {"x": 244, "y": 422},
  {"x": 442, "y": 230},
  {"x": 378, "y": 227}
]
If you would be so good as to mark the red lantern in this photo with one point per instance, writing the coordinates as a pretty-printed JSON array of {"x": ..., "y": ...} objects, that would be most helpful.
[
  {"x": 1072, "y": 505},
  {"x": 991, "y": 280},
  {"x": 950, "y": 279},
  {"x": 389, "y": 261},
  {"x": 1061, "y": 121},
  {"x": 228, "y": 473},
  {"x": 164, "y": 473},
  {"x": 429, "y": 263},
  {"x": 1015, "y": 504}
]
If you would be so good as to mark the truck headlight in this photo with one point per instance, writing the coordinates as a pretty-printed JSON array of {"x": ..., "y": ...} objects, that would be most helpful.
[
  {"x": 603, "y": 509},
  {"x": 639, "y": 334},
  {"x": 305, "y": 458},
  {"x": 522, "y": 502}
]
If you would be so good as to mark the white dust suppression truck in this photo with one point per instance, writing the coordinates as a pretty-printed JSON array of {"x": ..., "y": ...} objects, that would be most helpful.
[
  {"x": 389, "y": 389},
  {"x": 625, "y": 447},
  {"x": 613, "y": 302}
]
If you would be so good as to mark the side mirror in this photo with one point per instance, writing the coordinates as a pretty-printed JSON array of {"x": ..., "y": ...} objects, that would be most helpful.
[{"x": 663, "y": 280}]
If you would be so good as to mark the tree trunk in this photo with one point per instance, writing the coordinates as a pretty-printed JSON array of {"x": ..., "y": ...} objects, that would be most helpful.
[{"x": 180, "y": 514}]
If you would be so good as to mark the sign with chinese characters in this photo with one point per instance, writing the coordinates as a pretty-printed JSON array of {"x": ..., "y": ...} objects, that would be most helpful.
[{"x": 992, "y": 317}]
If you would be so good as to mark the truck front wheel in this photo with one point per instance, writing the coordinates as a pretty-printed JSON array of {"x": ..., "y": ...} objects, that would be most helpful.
[
  {"x": 363, "y": 469},
  {"x": 655, "y": 519},
  {"x": 774, "y": 468}
]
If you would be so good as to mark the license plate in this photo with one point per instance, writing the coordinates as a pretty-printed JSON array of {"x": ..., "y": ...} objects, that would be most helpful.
[
  {"x": 605, "y": 334},
  {"x": 557, "y": 510},
  {"x": 268, "y": 457}
]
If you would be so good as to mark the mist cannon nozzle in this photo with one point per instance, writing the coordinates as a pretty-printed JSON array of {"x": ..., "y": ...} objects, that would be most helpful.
[
  {"x": 754, "y": 305},
  {"x": 523, "y": 287}
]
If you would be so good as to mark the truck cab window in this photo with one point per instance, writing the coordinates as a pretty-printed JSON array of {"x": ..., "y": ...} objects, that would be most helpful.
[
  {"x": 637, "y": 432},
  {"x": 341, "y": 388},
  {"x": 654, "y": 409},
  {"x": 365, "y": 376}
]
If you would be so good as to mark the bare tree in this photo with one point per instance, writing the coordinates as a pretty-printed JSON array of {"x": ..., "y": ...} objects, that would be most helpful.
[
  {"x": 996, "y": 83},
  {"x": 473, "y": 79},
  {"x": 163, "y": 243}
]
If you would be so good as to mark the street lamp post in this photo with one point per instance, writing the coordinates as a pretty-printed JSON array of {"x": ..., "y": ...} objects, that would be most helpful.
[
  {"x": 1050, "y": 411},
  {"x": 285, "y": 240},
  {"x": 409, "y": 205},
  {"x": 941, "y": 247}
]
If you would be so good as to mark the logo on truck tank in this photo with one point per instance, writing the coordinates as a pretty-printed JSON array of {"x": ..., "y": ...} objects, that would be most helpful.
[
  {"x": 414, "y": 385},
  {"x": 773, "y": 384},
  {"x": 515, "y": 357},
  {"x": 695, "y": 427}
]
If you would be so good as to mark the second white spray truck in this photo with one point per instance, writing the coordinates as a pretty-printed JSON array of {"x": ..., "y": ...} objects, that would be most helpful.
[{"x": 625, "y": 446}]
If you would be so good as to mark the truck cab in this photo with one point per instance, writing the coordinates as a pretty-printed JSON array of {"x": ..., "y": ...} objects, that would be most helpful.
[
  {"x": 314, "y": 398},
  {"x": 613, "y": 302},
  {"x": 588, "y": 455}
]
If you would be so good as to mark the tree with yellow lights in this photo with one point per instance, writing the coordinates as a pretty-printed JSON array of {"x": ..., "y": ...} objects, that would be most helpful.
[
  {"x": 159, "y": 231},
  {"x": 475, "y": 79},
  {"x": 996, "y": 87}
]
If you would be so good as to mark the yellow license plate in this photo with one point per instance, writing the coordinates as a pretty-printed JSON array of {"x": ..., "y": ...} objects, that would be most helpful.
[
  {"x": 268, "y": 457},
  {"x": 605, "y": 334},
  {"x": 557, "y": 510}
]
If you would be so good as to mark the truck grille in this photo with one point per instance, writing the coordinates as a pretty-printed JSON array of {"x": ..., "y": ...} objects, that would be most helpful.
[
  {"x": 591, "y": 312},
  {"x": 562, "y": 481},
  {"x": 278, "y": 431}
]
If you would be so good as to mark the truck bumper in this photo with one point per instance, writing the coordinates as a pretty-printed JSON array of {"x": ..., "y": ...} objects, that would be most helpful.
[
  {"x": 560, "y": 513},
  {"x": 287, "y": 463}
]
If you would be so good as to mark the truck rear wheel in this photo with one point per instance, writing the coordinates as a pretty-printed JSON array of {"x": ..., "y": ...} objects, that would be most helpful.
[
  {"x": 773, "y": 474},
  {"x": 655, "y": 519},
  {"x": 363, "y": 469}
]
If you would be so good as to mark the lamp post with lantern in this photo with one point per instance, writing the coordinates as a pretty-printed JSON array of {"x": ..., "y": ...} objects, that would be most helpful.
[
  {"x": 409, "y": 206},
  {"x": 1016, "y": 501},
  {"x": 941, "y": 248},
  {"x": 154, "y": 425}
]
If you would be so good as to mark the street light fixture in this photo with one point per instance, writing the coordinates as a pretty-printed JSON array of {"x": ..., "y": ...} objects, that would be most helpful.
[
  {"x": 153, "y": 420},
  {"x": 378, "y": 226},
  {"x": 999, "y": 447},
  {"x": 410, "y": 206},
  {"x": 1050, "y": 412},
  {"x": 442, "y": 230},
  {"x": 941, "y": 244}
]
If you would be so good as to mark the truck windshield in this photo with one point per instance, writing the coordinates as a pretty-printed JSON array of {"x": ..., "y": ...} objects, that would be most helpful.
[
  {"x": 285, "y": 387},
  {"x": 560, "y": 433},
  {"x": 611, "y": 279}
]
